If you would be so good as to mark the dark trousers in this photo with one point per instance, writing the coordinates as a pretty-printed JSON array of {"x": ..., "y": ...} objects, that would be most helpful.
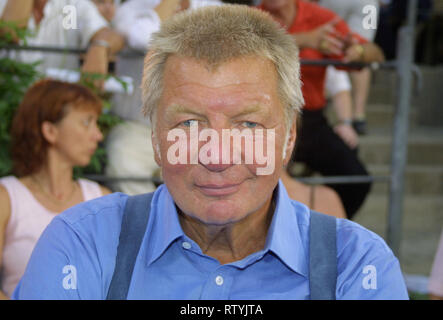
[{"x": 325, "y": 152}]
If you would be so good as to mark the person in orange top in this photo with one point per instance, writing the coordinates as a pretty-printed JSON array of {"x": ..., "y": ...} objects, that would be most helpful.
[{"x": 321, "y": 34}]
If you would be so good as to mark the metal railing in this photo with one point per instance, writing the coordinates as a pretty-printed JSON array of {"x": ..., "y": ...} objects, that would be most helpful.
[
  {"x": 399, "y": 150},
  {"x": 405, "y": 69}
]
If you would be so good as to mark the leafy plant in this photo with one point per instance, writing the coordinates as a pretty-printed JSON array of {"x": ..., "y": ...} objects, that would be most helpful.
[
  {"x": 10, "y": 32},
  {"x": 15, "y": 79}
]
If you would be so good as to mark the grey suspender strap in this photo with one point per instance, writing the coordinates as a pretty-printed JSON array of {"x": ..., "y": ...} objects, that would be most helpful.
[
  {"x": 322, "y": 247},
  {"x": 134, "y": 223},
  {"x": 322, "y": 256}
]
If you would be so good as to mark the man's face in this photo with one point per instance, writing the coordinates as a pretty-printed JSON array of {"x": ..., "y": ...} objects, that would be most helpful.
[
  {"x": 240, "y": 94},
  {"x": 106, "y": 8}
]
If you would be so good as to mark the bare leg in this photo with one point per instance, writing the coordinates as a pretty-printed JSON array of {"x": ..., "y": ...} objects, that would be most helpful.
[{"x": 360, "y": 84}]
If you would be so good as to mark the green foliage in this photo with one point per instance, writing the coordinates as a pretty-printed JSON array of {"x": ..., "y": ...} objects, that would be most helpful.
[
  {"x": 9, "y": 31},
  {"x": 15, "y": 78},
  {"x": 418, "y": 296}
]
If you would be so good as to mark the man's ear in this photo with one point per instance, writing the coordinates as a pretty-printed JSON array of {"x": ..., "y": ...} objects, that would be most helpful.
[
  {"x": 291, "y": 141},
  {"x": 49, "y": 132},
  {"x": 156, "y": 147}
]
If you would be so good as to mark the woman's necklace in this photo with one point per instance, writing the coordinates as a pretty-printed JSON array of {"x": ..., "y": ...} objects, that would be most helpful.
[{"x": 54, "y": 198}]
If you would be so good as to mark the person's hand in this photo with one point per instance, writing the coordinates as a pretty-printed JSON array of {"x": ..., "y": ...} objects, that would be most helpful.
[
  {"x": 347, "y": 133},
  {"x": 326, "y": 39},
  {"x": 354, "y": 51}
]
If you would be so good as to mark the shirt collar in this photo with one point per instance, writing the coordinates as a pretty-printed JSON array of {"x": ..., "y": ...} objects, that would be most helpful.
[
  {"x": 164, "y": 226},
  {"x": 283, "y": 238}
]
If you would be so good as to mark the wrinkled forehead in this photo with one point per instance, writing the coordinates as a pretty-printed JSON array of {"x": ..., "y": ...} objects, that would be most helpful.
[
  {"x": 239, "y": 81},
  {"x": 253, "y": 63}
]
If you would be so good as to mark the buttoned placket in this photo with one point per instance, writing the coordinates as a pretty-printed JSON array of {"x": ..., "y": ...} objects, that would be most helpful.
[{"x": 219, "y": 281}]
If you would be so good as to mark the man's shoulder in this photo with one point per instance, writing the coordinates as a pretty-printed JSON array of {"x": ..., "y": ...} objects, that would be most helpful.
[
  {"x": 351, "y": 234},
  {"x": 348, "y": 232},
  {"x": 367, "y": 267},
  {"x": 101, "y": 208}
]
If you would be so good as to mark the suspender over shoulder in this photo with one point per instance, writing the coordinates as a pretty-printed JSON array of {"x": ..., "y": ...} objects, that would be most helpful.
[
  {"x": 322, "y": 250},
  {"x": 322, "y": 256},
  {"x": 134, "y": 223}
]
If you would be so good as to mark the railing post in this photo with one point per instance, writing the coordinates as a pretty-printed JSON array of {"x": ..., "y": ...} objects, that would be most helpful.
[{"x": 405, "y": 60}]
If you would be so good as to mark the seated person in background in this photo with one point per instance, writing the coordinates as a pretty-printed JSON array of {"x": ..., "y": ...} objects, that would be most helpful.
[
  {"x": 321, "y": 34},
  {"x": 139, "y": 19},
  {"x": 52, "y": 25},
  {"x": 317, "y": 197},
  {"x": 215, "y": 229},
  {"x": 353, "y": 12},
  {"x": 54, "y": 130},
  {"x": 128, "y": 144},
  {"x": 106, "y": 8}
]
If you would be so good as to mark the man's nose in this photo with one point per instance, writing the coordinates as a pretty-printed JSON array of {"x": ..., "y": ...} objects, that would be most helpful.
[
  {"x": 216, "y": 156},
  {"x": 217, "y": 167}
]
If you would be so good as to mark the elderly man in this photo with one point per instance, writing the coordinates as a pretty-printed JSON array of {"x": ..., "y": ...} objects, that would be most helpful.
[{"x": 220, "y": 227}]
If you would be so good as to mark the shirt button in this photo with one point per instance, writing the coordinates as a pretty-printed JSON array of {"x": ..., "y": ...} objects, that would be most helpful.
[
  {"x": 186, "y": 245},
  {"x": 219, "y": 280}
]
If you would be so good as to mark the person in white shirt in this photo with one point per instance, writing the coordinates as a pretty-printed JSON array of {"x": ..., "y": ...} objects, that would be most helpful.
[
  {"x": 138, "y": 19},
  {"x": 128, "y": 144},
  {"x": 106, "y": 8},
  {"x": 64, "y": 23}
]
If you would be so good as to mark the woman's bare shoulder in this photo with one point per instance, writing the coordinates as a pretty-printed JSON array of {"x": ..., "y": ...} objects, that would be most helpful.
[
  {"x": 328, "y": 201},
  {"x": 105, "y": 190}
]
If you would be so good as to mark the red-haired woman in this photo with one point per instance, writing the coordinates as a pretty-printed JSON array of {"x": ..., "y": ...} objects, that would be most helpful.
[{"x": 54, "y": 129}]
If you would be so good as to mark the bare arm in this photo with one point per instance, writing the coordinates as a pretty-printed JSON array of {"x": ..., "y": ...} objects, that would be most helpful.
[
  {"x": 98, "y": 55},
  {"x": 372, "y": 53},
  {"x": 367, "y": 53},
  {"x": 115, "y": 40},
  {"x": 327, "y": 40},
  {"x": 5, "y": 212},
  {"x": 167, "y": 8},
  {"x": 18, "y": 11},
  {"x": 342, "y": 104}
]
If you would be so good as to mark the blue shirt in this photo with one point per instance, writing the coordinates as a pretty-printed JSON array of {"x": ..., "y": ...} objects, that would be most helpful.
[{"x": 75, "y": 258}]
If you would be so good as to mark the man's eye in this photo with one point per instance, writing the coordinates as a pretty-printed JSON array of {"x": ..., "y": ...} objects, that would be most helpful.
[
  {"x": 189, "y": 123},
  {"x": 249, "y": 124}
]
